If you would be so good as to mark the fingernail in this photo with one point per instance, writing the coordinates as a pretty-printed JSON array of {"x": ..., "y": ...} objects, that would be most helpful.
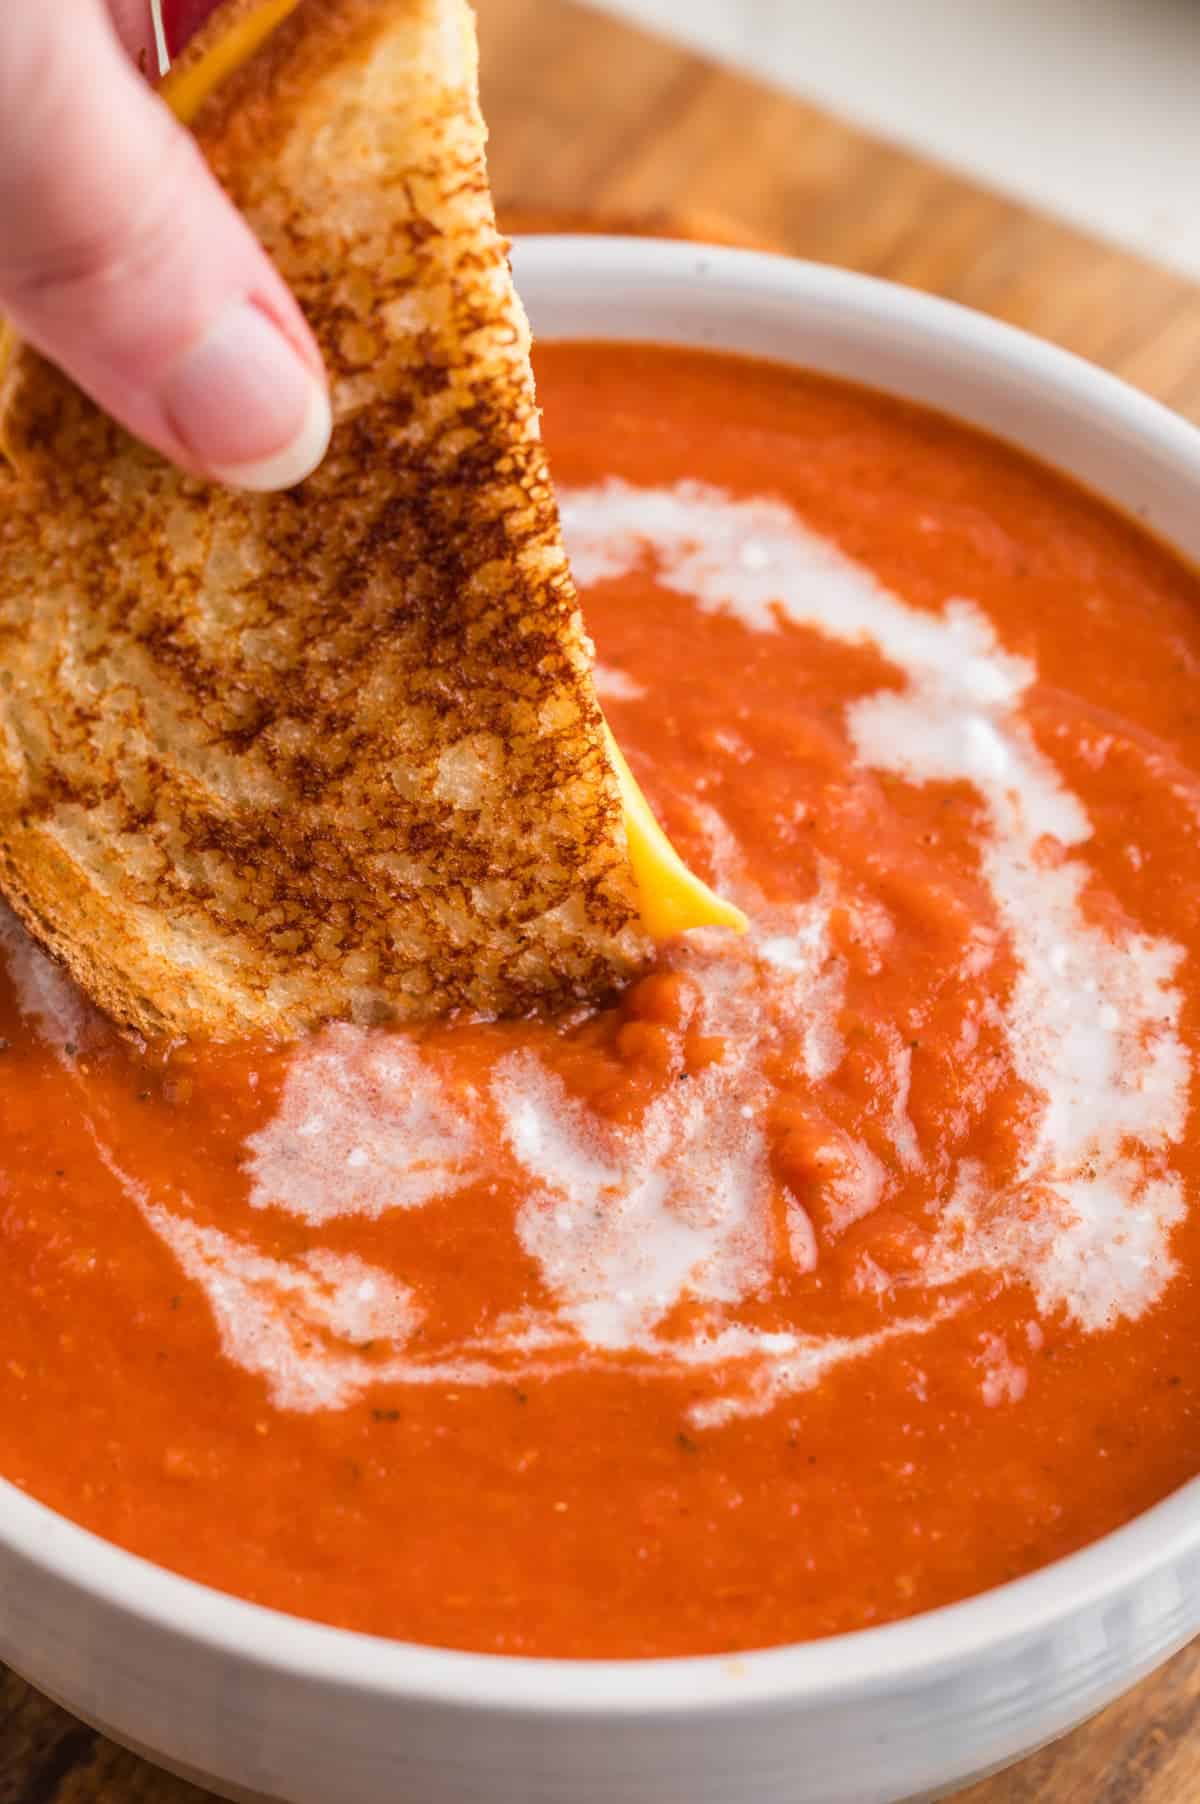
[{"x": 247, "y": 406}]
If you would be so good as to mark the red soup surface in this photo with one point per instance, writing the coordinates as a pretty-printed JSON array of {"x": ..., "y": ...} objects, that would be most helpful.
[{"x": 834, "y": 1272}]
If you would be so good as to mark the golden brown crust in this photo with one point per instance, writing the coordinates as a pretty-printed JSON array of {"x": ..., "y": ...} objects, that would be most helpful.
[{"x": 268, "y": 760}]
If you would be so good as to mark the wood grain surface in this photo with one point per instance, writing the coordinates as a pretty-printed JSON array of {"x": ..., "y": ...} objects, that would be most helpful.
[{"x": 591, "y": 120}]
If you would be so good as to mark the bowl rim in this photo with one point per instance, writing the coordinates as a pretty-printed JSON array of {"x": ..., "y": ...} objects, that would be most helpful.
[{"x": 910, "y": 1653}]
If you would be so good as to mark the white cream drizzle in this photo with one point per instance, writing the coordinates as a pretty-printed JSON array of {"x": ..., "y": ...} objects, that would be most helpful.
[
  {"x": 615, "y": 685},
  {"x": 302, "y": 1324},
  {"x": 45, "y": 994},
  {"x": 626, "y": 1223},
  {"x": 364, "y": 1125},
  {"x": 1093, "y": 1025}
]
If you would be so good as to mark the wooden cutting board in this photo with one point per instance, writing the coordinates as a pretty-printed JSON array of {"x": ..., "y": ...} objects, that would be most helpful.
[{"x": 591, "y": 118}]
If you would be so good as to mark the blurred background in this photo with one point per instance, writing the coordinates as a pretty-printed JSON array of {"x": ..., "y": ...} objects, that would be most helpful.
[
  {"x": 1036, "y": 159},
  {"x": 1087, "y": 108}
]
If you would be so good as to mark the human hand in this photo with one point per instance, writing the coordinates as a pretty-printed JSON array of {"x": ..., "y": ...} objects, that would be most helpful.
[{"x": 123, "y": 262}]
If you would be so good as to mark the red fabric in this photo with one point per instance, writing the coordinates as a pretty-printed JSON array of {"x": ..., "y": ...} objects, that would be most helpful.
[{"x": 181, "y": 18}]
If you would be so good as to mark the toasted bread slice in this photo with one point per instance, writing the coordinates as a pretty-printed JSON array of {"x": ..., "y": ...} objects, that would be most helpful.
[{"x": 271, "y": 760}]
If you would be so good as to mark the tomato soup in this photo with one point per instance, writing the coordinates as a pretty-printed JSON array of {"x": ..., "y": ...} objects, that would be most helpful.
[{"x": 833, "y": 1272}]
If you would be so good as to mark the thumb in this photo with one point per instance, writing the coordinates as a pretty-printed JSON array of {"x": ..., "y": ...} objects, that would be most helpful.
[{"x": 122, "y": 261}]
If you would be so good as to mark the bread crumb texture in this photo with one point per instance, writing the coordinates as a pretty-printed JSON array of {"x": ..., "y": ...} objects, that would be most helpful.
[{"x": 271, "y": 760}]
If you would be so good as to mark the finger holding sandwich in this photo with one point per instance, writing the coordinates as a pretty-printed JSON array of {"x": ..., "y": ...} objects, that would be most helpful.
[{"x": 123, "y": 262}]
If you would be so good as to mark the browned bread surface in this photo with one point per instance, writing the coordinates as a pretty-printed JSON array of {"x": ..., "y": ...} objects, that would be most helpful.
[{"x": 270, "y": 760}]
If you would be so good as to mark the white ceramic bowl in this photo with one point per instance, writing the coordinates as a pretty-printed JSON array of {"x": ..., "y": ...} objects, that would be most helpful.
[{"x": 261, "y": 1705}]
